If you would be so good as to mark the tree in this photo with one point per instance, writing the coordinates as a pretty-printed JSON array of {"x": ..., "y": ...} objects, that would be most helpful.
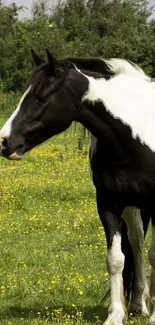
[
  {"x": 17, "y": 38},
  {"x": 108, "y": 28},
  {"x": 98, "y": 28},
  {"x": 40, "y": 7},
  {"x": 8, "y": 17}
]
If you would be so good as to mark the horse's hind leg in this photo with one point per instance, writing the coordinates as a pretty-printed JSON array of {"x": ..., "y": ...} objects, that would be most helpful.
[
  {"x": 115, "y": 260},
  {"x": 151, "y": 256},
  {"x": 136, "y": 231}
]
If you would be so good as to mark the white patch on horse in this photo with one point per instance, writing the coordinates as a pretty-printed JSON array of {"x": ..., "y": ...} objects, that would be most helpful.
[
  {"x": 6, "y": 129},
  {"x": 115, "y": 264},
  {"x": 129, "y": 98}
]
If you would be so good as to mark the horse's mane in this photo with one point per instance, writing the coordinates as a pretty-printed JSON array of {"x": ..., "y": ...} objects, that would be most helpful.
[
  {"x": 44, "y": 81},
  {"x": 119, "y": 66},
  {"x": 38, "y": 76},
  {"x": 109, "y": 67},
  {"x": 96, "y": 65}
]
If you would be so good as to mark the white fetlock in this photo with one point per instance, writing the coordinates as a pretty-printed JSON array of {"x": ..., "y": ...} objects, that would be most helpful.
[
  {"x": 145, "y": 311},
  {"x": 144, "y": 300},
  {"x": 116, "y": 318},
  {"x": 152, "y": 319}
]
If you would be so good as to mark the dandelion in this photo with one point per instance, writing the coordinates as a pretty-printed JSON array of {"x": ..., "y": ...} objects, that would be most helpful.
[{"x": 73, "y": 305}]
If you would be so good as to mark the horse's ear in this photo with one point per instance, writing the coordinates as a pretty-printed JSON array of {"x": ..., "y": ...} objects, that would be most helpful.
[
  {"x": 36, "y": 58},
  {"x": 51, "y": 61}
]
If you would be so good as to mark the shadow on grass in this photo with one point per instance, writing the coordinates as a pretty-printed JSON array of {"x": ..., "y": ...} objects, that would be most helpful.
[{"x": 89, "y": 313}]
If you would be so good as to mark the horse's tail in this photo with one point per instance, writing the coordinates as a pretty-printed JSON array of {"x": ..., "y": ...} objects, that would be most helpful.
[{"x": 128, "y": 272}]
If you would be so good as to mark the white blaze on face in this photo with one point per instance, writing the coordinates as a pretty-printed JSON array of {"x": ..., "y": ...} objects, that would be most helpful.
[{"x": 6, "y": 129}]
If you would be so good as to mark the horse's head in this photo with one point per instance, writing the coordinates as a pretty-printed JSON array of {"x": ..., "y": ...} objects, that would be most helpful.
[{"x": 48, "y": 107}]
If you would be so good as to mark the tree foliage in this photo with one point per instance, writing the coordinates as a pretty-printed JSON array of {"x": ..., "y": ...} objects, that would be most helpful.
[
  {"x": 40, "y": 7},
  {"x": 98, "y": 28}
]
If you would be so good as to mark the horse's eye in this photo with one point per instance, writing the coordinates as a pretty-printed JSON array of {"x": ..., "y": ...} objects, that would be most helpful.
[{"x": 39, "y": 100}]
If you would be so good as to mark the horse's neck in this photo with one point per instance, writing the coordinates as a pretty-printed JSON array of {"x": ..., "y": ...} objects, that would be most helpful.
[
  {"x": 115, "y": 138},
  {"x": 130, "y": 100},
  {"x": 100, "y": 129}
]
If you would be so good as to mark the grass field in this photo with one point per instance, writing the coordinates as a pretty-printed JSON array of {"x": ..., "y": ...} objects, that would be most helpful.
[{"x": 52, "y": 245}]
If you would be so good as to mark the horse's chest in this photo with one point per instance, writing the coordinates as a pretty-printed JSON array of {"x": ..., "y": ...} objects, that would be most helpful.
[
  {"x": 111, "y": 177},
  {"x": 131, "y": 182}
]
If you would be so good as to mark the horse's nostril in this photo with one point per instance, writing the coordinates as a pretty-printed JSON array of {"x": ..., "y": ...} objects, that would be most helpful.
[
  {"x": 4, "y": 143},
  {"x": 20, "y": 146}
]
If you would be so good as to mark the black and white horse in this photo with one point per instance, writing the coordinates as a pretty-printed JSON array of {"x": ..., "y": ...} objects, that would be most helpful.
[
  {"x": 119, "y": 111},
  {"x": 134, "y": 276}
]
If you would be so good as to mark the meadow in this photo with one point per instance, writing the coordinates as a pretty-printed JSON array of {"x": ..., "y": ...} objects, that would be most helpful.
[{"x": 52, "y": 244}]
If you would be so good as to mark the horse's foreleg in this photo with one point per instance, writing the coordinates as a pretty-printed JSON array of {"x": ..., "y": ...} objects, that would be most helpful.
[
  {"x": 151, "y": 256},
  {"x": 115, "y": 262},
  {"x": 135, "y": 227}
]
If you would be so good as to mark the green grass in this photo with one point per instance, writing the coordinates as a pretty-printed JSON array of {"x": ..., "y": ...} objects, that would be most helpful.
[{"x": 52, "y": 244}]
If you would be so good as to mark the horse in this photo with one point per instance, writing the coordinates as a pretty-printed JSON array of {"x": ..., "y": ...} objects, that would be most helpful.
[
  {"x": 118, "y": 111},
  {"x": 134, "y": 276}
]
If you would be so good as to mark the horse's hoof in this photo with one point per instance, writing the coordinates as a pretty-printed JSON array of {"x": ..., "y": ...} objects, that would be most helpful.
[{"x": 135, "y": 310}]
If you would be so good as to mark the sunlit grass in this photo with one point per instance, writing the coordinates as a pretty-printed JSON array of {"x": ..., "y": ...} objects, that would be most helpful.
[{"x": 52, "y": 244}]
